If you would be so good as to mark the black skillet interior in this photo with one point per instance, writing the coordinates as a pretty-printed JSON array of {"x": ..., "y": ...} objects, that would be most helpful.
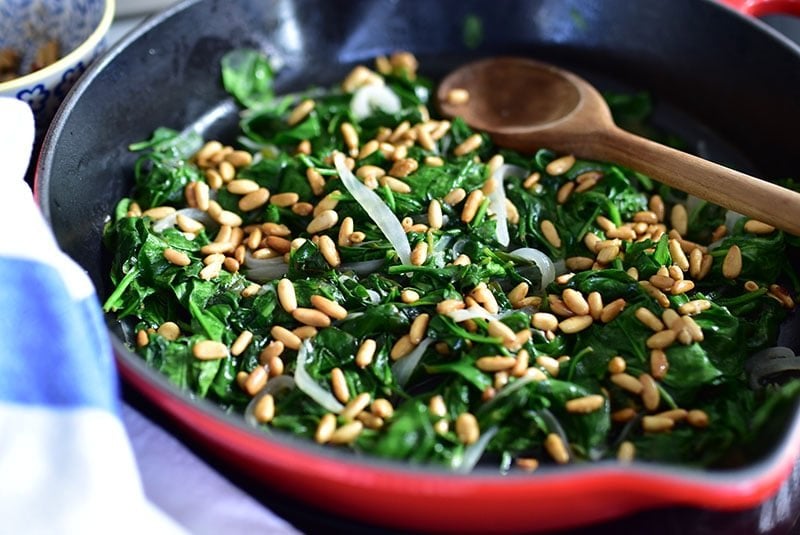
[{"x": 720, "y": 81}]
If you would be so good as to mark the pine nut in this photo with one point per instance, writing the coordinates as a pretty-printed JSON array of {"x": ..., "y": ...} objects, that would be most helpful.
[
  {"x": 419, "y": 254},
  {"x": 681, "y": 287},
  {"x": 449, "y": 305},
  {"x": 325, "y": 428},
  {"x": 521, "y": 363},
  {"x": 467, "y": 429},
  {"x": 455, "y": 196},
  {"x": 551, "y": 365},
  {"x": 694, "y": 307},
  {"x": 575, "y": 301},
  {"x": 612, "y": 310},
  {"x": 661, "y": 339},
  {"x": 437, "y": 406},
  {"x": 264, "y": 411},
  {"x": 693, "y": 328},
  {"x": 284, "y": 200},
  {"x": 623, "y": 415},
  {"x": 468, "y": 145},
  {"x": 627, "y": 382},
  {"x": 310, "y": 316},
  {"x": 286, "y": 295},
  {"x": 211, "y": 271},
  {"x": 285, "y": 336},
  {"x": 355, "y": 406},
  {"x": 495, "y": 363},
  {"x": 550, "y": 233},
  {"x": 255, "y": 381},
  {"x": 159, "y": 212},
  {"x": 272, "y": 350},
  {"x": 544, "y": 321},
  {"x": 575, "y": 324},
  {"x": 209, "y": 350},
  {"x": 347, "y": 434},
  {"x": 655, "y": 293},
  {"x": 471, "y": 205},
  {"x": 435, "y": 217},
  {"x": 458, "y": 96},
  {"x": 651, "y": 397},
  {"x": 241, "y": 343},
  {"x": 649, "y": 319},
  {"x": 323, "y": 221},
  {"x": 564, "y": 192},
  {"x": 403, "y": 168},
  {"x": 732, "y": 265},
  {"x": 242, "y": 186},
  {"x": 617, "y": 364},
  {"x": 409, "y": 296},
  {"x": 339, "y": 385},
  {"x": 659, "y": 365},
  {"x": 556, "y": 448},
  {"x": 382, "y": 408},
  {"x": 608, "y": 254},
  {"x": 754, "y": 226},
  {"x": 305, "y": 331},
  {"x": 300, "y": 112},
  {"x": 328, "y": 307},
  {"x": 366, "y": 352},
  {"x": 679, "y": 219},
  {"x": 585, "y": 404},
  {"x": 178, "y": 258},
  {"x": 394, "y": 184},
  {"x": 697, "y": 418},
  {"x": 327, "y": 248},
  {"x": 561, "y": 165},
  {"x": 657, "y": 424},
  {"x": 579, "y": 263},
  {"x": 626, "y": 452},
  {"x": 418, "y": 328},
  {"x": 401, "y": 348}
]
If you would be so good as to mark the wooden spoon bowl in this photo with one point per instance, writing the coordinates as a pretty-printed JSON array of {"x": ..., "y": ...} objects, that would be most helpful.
[{"x": 526, "y": 105}]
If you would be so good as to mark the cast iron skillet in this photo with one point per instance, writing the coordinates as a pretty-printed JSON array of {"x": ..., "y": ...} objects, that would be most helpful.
[{"x": 734, "y": 81}]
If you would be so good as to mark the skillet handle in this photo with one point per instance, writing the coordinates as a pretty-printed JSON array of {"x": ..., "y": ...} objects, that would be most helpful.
[{"x": 758, "y": 8}]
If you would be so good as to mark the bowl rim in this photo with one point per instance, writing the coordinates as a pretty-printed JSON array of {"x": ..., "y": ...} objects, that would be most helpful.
[{"x": 73, "y": 56}]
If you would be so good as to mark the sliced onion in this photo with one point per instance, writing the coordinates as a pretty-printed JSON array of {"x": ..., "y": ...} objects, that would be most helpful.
[
  {"x": 541, "y": 260},
  {"x": 309, "y": 386},
  {"x": 274, "y": 386},
  {"x": 171, "y": 220},
  {"x": 264, "y": 269},
  {"x": 474, "y": 452},
  {"x": 376, "y": 209},
  {"x": 403, "y": 368},
  {"x": 497, "y": 200},
  {"x": 472, "y": 312},
  {"x": 371, "y": 97}
]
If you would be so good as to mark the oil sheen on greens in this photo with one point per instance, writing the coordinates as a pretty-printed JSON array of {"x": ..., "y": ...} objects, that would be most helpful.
[{"x": 709, "y": 375}]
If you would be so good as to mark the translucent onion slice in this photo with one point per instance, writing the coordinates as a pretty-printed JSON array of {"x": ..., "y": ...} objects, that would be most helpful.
[
  {"x": 474, "y": 452},
  {"x": 371, "y": 97},
  {"x": 497, "y": 200},
  {"x": 403, "y": 368},
  {"x": 376, "y": 209},
  {"x": 171, "y": 220},
  {"x": 472, "y": 312},
  {"x": 264, "y": 269},
  {"x": 309, "y": 386},
  {"x": 541, "y": 260},
  {"x": 274, "y": 386}
]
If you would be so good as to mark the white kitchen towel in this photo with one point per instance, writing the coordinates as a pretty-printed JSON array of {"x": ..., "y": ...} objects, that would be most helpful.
[{"x": 73, "y": 458}]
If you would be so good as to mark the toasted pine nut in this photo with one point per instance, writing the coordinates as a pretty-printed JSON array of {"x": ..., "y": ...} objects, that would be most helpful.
[
  {"x": 178, "y": 258},
  {"x": 323, "y": 221},
  {"x": 287, "y": 337},
  {"x": 418, "y": 328},
  {"x": 329, "y": 252},
  {"x": 347, "y": 434},
  {"x": 697, "y": 418},
  {"x": 458, "y": 96},
  {"x": 355, "y": 406},
  {"x": 544, "y": 321},
  {"x": 556, "y": 448},
  {"x": 661, "y": 340},
  {"x": 495, "y": 363},
  {"x": 366, "y": 352},
  {"x": 679, "y": 219},
  {"x": 579, "y": 263},
  {"x": 585, "y": 404},
  {"x": 575, "y": 301},
  {"x": 564, "y": 192},
  {"x": 209, "y": 350},
  {"x": 286, "y": 295},
  {"x": 419, "y": 253},
  {"x": 575, "y": 324},
  {"x": 627, "y": 382},
  {"x": 550, "y": 233},
  {"x": 649, "y": 319},
  {"x": 264, "y": 411},
  {"x": 561, "y": 165},
  {"x": 623, "y": 415},
  {"x": 435, "y": 218},
  {"x": 617, "y": 364},
  {"x": 468, "y": 145},
  {"x": 607, "y": 254},
  {"x": 403, "y": 168},
  {"x": 694, "y": 307},
  {"x": 754, "y": 226},
  {"x": 284, "y": 199},
  {"x": 310, "y": 316},
  {"x": 626, "y": 452},
  {"x": 449, "y": 305},
  {"x": 467, "y": 428},
  {"x": 651, "y": 397},
  {"x": 612, "y": 310},
  {"x": 300, "y": 112},
  {"x": 328, "y": 307},
  {"x": 401, "y": 348},
  {"x": 471, "y": 205},
  {"x": 325, "y": 428},
  {"x": 255, "y": 380},
  {"x": 732, "y": 265},
  {"x": 657, "y": 424},
  {"x": 339, "y": 385},
  {"x": 273, "y": 349},
  {"x": 241, "y": 343},
  {"x": 659, "y": 365}
]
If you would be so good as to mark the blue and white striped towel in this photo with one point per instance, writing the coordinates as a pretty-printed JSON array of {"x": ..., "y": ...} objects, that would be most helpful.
[{"x": 73, "y": 458}]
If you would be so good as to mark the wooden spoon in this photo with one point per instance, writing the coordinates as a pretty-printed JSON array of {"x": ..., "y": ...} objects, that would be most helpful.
[{"x": 526, "y": 105}]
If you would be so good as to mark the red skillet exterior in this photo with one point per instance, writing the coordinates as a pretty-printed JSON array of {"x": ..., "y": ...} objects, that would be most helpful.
[{"x": 78, "y": 182}]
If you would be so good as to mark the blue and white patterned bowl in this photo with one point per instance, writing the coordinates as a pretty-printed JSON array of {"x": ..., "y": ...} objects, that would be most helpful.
[{"x": 80, "y": 27}]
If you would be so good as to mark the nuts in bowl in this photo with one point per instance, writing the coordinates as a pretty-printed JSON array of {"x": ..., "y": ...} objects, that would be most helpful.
[{"x": 45, "y": 46}]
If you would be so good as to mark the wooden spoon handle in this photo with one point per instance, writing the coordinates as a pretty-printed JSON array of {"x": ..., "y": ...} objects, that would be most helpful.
[{"x": 718, "y": 184}]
